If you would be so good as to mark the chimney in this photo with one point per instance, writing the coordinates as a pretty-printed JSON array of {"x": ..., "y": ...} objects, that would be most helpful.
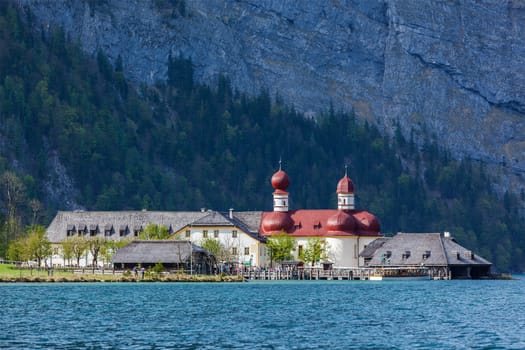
[{"x": 231, "y": 213}]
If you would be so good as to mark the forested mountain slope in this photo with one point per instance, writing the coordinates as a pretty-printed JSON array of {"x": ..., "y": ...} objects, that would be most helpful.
[
  {"x": 450, "y": 69},
  {"x": 74, "y": 133}
]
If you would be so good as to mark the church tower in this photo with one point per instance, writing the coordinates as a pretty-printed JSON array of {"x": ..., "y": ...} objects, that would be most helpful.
[
  {"x": 345, "y": 193},
  {"x": 280, "y": 183}
]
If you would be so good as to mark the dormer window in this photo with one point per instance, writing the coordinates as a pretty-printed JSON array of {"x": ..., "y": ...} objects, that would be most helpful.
[
  {"x": 93, "y": 230},
  {"x": 82, "y": 229},
  {"x": 70, "y": 231},
  {"x": 123, "y": 230},
  {"x": 108, "y": 230}
]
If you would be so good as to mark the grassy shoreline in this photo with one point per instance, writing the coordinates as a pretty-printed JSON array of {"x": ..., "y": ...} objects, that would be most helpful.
[{"x": 11, "y": 274}]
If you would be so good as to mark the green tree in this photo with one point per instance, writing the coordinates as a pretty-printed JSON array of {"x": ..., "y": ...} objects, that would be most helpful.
[
  {"x": 38, "y": 245},
  {"x": 94, "y": 245},
  {"x": 17, "y": 250},
  {"x": 315, "y": 251},
  {"x": 79, "y": 247},
  {"x": 213, "y": 245},
  {"x": 280, "y": 247},
  {"x": 154, "y": 232},
  {"x": 219, "y": 250},
  {"x": 110, "y": 248},
  {"x": 67, "y": 250}
]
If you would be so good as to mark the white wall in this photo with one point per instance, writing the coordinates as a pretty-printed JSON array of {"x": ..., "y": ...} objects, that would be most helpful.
[
  {"x": 257, "y": 250},
  {"x": 342, "y": 251}
]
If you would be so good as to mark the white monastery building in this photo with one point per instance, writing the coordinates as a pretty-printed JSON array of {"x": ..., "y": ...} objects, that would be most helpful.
[{"x": 347, "y": 231}]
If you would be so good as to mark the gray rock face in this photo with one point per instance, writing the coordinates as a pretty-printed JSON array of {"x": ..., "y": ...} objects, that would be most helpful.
[{"x": 453, "y": 70}]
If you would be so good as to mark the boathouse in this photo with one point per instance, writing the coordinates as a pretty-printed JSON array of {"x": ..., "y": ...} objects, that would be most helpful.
[
  {"x": 173, "y": 255},
  {"x": 439, "y": 253}
]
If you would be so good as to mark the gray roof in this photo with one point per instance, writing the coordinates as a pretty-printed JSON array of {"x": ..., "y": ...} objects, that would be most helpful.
[
  {"x": 57, "y": 230},
  {"x": 135, "y": 220},
  {"x": 416, "y": 249},
  {"x": 251, "y": 220},
  {"x": 152, "y": 252},
  {"x": 372, "y": 247},
  {"x": 214, "y": 218}
]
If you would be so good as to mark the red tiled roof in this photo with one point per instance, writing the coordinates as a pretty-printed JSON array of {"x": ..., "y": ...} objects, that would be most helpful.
[{"x": 308, "y": 223}]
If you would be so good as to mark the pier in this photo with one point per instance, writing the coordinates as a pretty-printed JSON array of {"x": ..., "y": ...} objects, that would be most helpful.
[{"x": 309, "y": 274}]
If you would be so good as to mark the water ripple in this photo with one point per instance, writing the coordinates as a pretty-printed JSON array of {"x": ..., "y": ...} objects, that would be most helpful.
[{"x": 271, "y": 315}]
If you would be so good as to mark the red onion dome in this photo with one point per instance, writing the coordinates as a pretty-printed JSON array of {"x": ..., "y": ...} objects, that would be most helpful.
[
  {"x": 277, "y": 221},
  {"x": 280, "y": 180},
  {"x": 345, "y": 185},
  {"x": 367, "y": 222},
  {"x": 341, "y": 221}
]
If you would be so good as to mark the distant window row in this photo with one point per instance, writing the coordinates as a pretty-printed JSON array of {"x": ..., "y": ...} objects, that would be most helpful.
[{"x": 215, "y": 234}]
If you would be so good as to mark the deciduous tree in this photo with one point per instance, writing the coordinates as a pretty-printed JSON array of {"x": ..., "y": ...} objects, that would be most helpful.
[
  {"x": 38, "y": 245},
  {"x": 154, "y": 232},
  {"x": 280, "y": 247},
  {"x": 315, "y": 251}
]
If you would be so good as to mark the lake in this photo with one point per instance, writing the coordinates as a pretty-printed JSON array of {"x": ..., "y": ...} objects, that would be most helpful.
[{"x": 265, "y": 315}]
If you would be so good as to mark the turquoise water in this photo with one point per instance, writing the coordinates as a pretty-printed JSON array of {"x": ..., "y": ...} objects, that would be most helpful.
[{"x": 265, "y": 315}]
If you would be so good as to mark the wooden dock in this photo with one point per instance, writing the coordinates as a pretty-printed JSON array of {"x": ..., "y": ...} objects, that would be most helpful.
[{"x": 309, "y": 274}]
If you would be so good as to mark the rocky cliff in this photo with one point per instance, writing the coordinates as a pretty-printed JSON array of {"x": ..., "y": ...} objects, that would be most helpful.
[{"x": 450, "y": 70}]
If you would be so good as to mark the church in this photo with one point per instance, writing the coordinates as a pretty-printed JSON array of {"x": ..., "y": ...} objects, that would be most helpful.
[
  {"x": 244, "y": 235},
  {"x": 345, "y": 230}
]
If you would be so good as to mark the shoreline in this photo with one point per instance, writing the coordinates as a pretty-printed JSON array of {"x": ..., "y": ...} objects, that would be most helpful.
[{"x": 121, "y": 279}]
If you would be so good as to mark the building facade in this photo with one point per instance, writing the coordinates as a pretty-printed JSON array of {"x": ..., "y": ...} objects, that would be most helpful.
[{"x": 237, "y": 233}]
